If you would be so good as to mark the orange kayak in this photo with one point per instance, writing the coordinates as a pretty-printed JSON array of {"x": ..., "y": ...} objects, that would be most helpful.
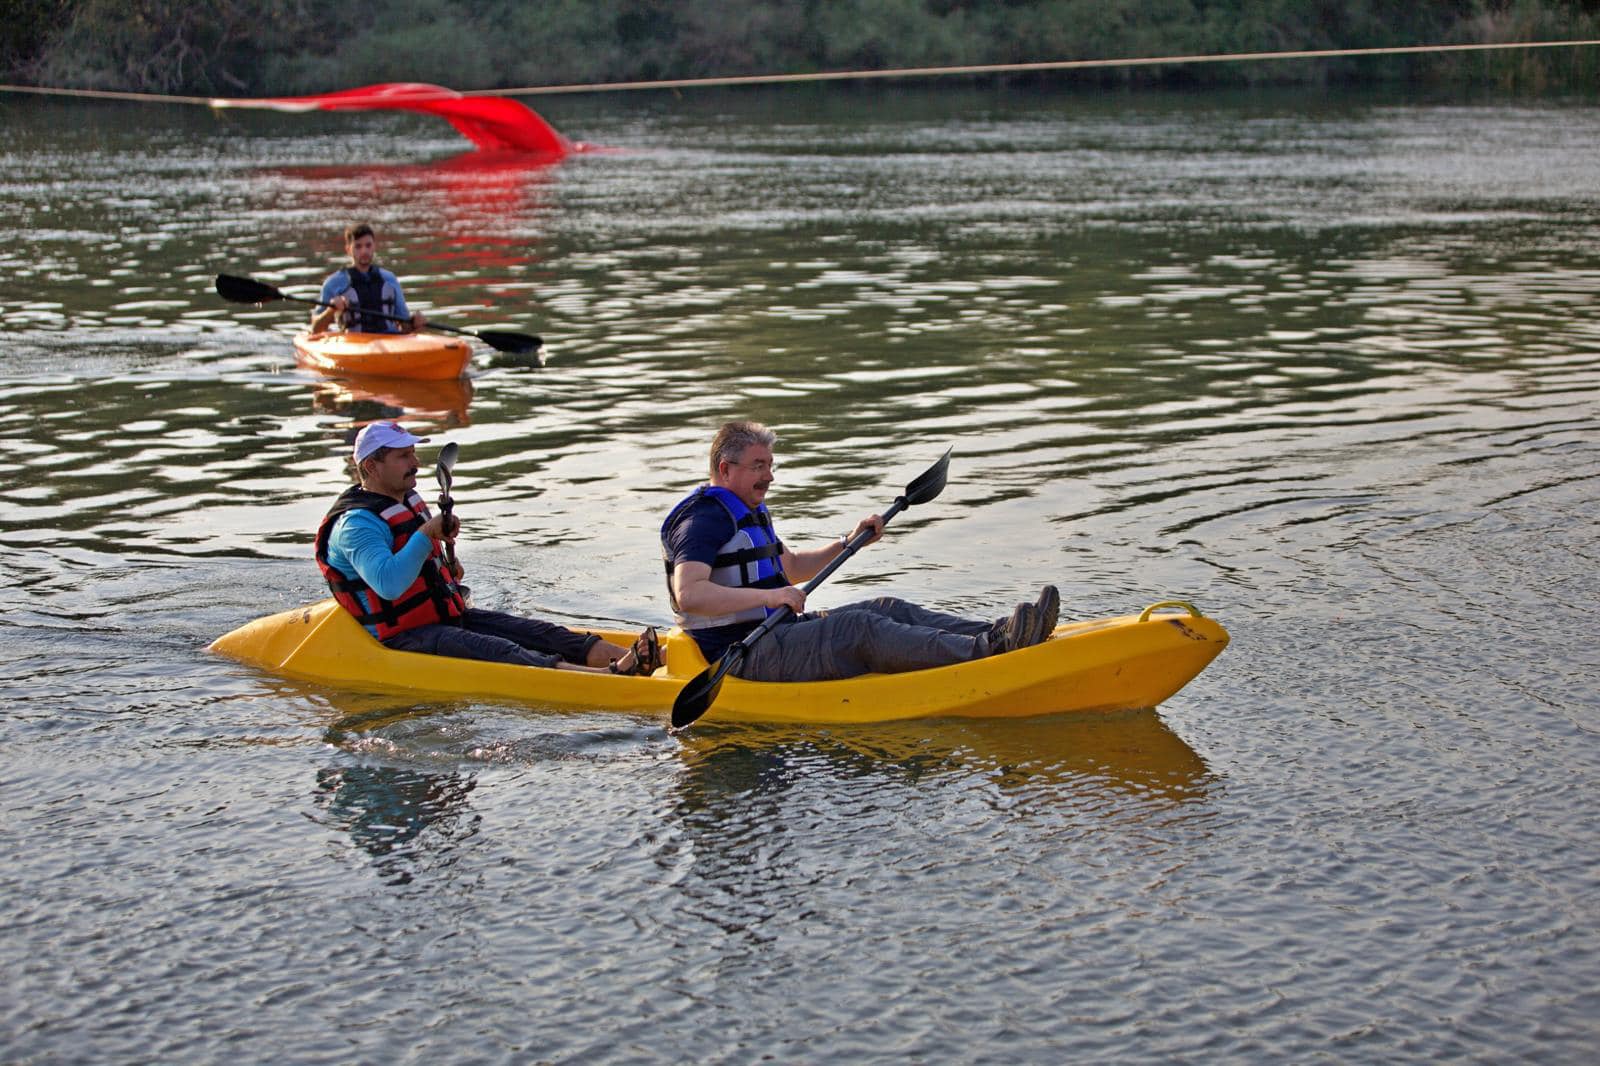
[{"x": 422, "y": 356}]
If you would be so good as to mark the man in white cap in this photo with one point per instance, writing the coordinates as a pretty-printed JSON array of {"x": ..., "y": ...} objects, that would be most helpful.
[{"x": 383, "y": 556}]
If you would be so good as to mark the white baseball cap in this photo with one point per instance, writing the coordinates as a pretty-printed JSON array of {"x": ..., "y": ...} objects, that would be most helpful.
[{"x": 384, "y": 435}]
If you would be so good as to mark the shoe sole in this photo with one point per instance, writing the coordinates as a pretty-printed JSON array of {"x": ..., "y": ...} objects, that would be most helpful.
[
  {"x": 1026, "y": 624},
  {"x": 1048, "y": 612}
]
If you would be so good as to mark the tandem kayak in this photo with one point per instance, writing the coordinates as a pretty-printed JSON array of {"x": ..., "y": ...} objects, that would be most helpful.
[
  {"x": 1108, "y": 664},
  {"x": 421, "y": 356}
]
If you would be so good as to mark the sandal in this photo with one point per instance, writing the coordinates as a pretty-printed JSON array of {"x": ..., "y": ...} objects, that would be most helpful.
[
  {"x": 647, "y": 657},
  {"x": 651, "y": 659}
]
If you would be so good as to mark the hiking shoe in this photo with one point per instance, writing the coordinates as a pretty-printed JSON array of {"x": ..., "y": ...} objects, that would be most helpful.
[
  {"x": 1017, "y": 631},
  {"x": 1049, "y": 608}
]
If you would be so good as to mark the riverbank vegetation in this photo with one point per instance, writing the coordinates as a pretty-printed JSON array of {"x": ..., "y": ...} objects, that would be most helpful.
[{"x": 272, "y": 47}]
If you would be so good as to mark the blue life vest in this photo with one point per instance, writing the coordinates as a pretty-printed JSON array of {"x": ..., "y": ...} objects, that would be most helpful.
[
  {"x": 369, "y": 291},
  {"x": 751, "y": 558}
]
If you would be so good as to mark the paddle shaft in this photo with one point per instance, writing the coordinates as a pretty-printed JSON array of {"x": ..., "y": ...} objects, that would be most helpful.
[
  {"x": 443, "y": 474},
  {"x": 447, "y": 504},
  {"x": 776, "y": 618},
  {"x": 851, "y": 546},
  {"x": 375, "y": 314},
  {"x": 248, "y": 290}
]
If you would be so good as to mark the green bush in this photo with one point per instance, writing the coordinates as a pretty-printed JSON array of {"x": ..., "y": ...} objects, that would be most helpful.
[{"x": 264, "y": 47}]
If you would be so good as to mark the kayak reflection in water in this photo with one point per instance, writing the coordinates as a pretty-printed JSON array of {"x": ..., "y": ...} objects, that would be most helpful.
[
  {"x": 727, "y": 570},
  {"x": 363, "y": 285},
  {"x": 383, "y": 556}
]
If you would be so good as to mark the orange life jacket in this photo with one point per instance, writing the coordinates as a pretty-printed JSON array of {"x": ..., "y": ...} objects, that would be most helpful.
[{"x": 432, "y": 598}]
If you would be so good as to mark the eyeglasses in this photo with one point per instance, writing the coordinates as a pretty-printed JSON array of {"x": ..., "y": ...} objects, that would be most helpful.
[{"x": 759, "y": 467}]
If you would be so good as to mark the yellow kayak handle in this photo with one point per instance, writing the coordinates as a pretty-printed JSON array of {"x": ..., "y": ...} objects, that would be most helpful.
[{"x": 1185, "y": 604}]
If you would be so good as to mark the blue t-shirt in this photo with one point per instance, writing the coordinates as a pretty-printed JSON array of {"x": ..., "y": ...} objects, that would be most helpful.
[
  {"x": 361, "y": 544},
  {"x": 696, "y": 535},
  {"x": 394, "y": 301}
]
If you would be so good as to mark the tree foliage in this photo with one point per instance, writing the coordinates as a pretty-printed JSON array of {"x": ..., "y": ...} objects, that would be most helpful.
[{"x": 249, "y": 47}]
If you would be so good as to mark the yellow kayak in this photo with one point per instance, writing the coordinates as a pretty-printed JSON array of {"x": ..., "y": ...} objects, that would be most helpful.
[
  {"x": 1108, "y": 664},
  {"x": 420, "y": 356}
]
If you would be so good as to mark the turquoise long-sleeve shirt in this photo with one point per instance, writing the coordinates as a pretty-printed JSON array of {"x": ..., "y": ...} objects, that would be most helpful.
[{"x": 362, "y": 545}]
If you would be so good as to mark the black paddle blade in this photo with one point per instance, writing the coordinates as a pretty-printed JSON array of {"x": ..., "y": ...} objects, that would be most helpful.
[
  {"x": 696, "y": 698},
  {"x": 447, "y": 463},
  {"x": 930, "y": 482},
  {"x": 246, "y": 290},
  {"x": 513, "y": 343}
]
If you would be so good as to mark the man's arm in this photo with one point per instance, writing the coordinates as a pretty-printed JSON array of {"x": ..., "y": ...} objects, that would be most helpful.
[
  {"x": 803, "y": 566},
  {"x": 332, "y": 294},
  {"x": 418, "y": 319},
  {"x": 696, "y": 593},
  {"x": 366, "y": 543}
]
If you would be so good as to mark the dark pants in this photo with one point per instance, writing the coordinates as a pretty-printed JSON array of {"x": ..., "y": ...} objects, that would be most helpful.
[
  {"x": 496, "y": 637},
  {"x": 881, "y": 636}
]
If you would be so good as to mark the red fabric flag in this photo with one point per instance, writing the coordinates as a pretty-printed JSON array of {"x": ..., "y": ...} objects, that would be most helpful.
[{"x": 493, "y": 123}]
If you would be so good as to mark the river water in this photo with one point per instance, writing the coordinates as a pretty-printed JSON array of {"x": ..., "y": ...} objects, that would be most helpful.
[{"x": 1325, "y": 365}]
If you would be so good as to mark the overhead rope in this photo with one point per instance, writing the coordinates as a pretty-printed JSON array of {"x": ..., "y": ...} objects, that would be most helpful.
[
  {"x": 1012, "y": 68},
  {"x": 856, "y": 75},
  {"x": 107, "y": 94}
]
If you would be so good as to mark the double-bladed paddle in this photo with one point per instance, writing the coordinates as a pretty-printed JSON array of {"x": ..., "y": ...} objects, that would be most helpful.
[
  {"x": 249, "y": 291},
  {"x": 697, "y": 696},
  {"x": 447, "y": 463}
]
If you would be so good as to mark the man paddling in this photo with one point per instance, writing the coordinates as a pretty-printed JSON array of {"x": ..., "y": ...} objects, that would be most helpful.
[
  {"x": 727, "y": 569},
  {"x": 364, "y": 285},
  {"x": 383, "y": 556}
]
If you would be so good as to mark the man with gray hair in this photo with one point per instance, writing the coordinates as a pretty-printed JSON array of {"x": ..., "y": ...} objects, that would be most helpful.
[{"x": 727, "y": 570}]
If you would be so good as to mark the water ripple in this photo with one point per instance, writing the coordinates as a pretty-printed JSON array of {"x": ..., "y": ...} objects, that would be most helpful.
[{"x": 1324, "y": 366}]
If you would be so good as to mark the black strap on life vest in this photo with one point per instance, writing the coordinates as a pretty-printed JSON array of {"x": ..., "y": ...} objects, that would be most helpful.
[
  {"x": 747, "y": 555},
  {"x": 755, "y": 554},
  {"x": 369, "y": 297}
]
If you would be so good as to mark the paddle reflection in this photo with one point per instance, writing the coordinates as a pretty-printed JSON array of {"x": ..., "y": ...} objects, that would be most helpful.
[{"x": 407, "y": 820}]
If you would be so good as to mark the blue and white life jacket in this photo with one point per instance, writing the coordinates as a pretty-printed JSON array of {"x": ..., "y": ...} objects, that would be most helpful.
[{"x": 751, "y": 558}]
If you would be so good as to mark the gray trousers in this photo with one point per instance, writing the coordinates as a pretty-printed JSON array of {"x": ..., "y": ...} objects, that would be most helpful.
[
  {"x": 496, "y": 637},
  {"x": 881, "y": 636}
]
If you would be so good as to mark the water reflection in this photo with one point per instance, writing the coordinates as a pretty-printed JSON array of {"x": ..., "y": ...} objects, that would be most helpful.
[
  {"x": 359, "y": 715},
  {"x": 1051, "y": 758},
  {"x": 407, "y": 820},
  {"x": 467, "y": 215},
  {"x": 753, "y": 801},
  {"x": 361, "y": 399}
]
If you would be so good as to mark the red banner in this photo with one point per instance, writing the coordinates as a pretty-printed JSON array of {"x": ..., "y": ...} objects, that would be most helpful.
[{"x": 493, "y": 123}]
